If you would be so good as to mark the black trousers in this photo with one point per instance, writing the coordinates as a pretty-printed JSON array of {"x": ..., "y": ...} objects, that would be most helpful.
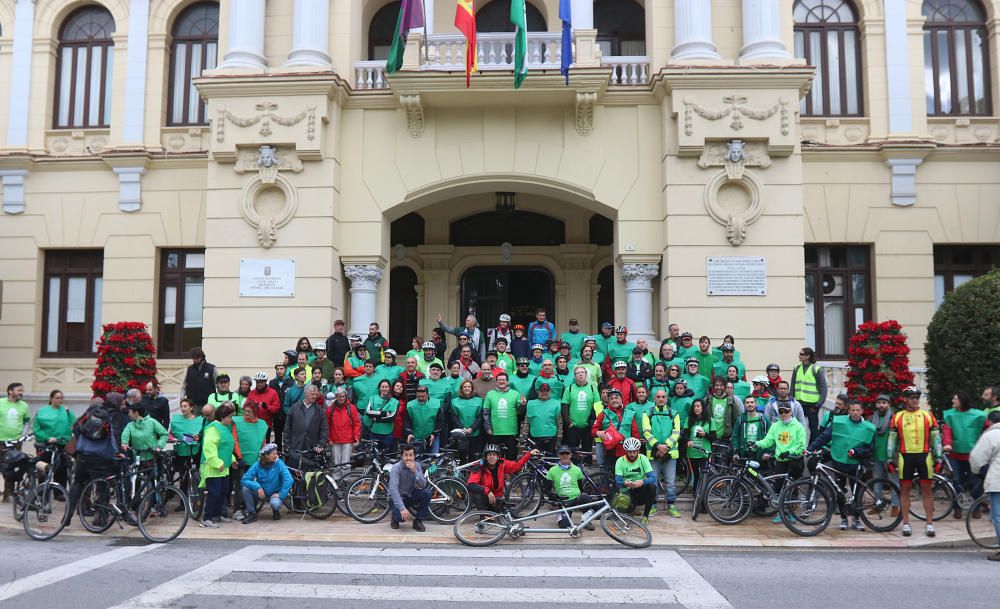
[
  {"x": 579, "y": 437},
  {"x": 88, "y": 467}
]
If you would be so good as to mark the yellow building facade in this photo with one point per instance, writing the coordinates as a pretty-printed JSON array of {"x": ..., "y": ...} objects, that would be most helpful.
[{"x": 242, "y": 173}]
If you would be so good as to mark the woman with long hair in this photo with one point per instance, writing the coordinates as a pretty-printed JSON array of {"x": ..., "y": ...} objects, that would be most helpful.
[
  {"x": 698, "y": 436},
  {"x": 467, "y": 414}
]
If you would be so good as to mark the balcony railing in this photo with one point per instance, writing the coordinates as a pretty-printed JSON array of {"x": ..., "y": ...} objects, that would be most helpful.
[
  {"x": 370, "y": 75},
  {"x": 627, "y": 70}
]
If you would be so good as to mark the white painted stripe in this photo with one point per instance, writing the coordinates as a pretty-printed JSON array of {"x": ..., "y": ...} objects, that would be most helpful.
[
  {"x": 501, "y": 552},
  {"x": 414, "y": 593},
  {"x": 79, "y": 567},
  {"x": 687, "y": 586},
  {"x": 567, "y": 570}
]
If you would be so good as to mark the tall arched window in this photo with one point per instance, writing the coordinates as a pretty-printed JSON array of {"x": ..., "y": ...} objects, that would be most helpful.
[
  {"x": 382, "y": 30},
  {"x": 84, "y": 64},
  {"x": 826, "y": 36},
  {"x": 621, "y": 27},
  {"x": 956, "y": 58},
  {"x": 194, "y": 49},
  {"x": 495, "y": 17}
]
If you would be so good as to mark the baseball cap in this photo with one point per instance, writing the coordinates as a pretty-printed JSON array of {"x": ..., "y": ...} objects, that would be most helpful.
[
  {"x": 565, "y": 450},
  {"x": 501, "y": 339},
  {"x": 883, "y": 396},
  {"x": 436, "y": 365},
  {"x": 543, "y": 385},
  {"x": 607, "y": 324}
]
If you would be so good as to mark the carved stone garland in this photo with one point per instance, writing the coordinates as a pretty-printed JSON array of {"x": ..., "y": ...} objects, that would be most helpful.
[
  {"x": 266, "y": 115},
  {"x": 736, "y": 110},
  {"x": 268, "y": 161}
]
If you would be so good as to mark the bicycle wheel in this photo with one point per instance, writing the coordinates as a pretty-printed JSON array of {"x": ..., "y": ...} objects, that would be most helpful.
[
  {"x": 598, "y": 484},
  {"x": 523, "y": 496},
  {"x": 95, "y": 509},
  {"x": 321, "y": 499},
  {"x": 46, "y": 511},
  {"x": 195, "y": 495},
  {"x": 450, "y": 500},
  {"x": 344, "y": 483},
  {"x": 944, "y": 499},
  {"x": 19, "y": 496},
  {"x": 981, "y": 529},
  {"x": 876, "y": 508},
  {"x": 480, "y": 528},
  {"x": 764, "y": 505},
  {"x": 159, "y": 520},
  {"x": 626, "y": 530},
  {"x": 368, "y": 500},
  {"x": 682, "y": 480},
  {"x": 806, "y": 507},
  {"x": 728, "y": 500}
]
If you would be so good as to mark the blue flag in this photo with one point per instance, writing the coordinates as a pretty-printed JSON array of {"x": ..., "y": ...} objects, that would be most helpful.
[{"x": 566, "y": 15}]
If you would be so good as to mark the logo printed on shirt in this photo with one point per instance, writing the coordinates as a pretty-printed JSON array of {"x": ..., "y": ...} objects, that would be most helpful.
[{"x": 784, "y": 437}]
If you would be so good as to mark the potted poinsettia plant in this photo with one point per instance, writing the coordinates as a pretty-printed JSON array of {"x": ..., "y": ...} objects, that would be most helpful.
[
  {"x": 878, "y": 362},
  {"x": 124, "y": 358}
]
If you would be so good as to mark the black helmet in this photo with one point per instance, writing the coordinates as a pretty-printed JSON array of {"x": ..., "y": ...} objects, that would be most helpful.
[{"x": 774, "y": 367}]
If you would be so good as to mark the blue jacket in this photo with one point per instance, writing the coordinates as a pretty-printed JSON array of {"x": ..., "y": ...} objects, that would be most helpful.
[{"x": 273, "y": 479}]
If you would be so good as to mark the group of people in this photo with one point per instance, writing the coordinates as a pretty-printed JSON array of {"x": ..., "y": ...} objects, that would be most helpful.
[{"x": 635, "y": 410}]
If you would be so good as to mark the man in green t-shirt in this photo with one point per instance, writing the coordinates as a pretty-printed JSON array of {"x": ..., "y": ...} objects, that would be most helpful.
[
  {"x": 565, "y": 478},
  {"x": 544, "y": 417},
  {"x": 634, "y": 474},
  {"x": 14, "y": 423},
  {"x": 502, "y": 410},
  {"x": 574, "y": 337}
]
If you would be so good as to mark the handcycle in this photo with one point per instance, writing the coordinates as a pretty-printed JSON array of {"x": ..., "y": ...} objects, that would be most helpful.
[
  {"x": 45, "y": 502},
  {"x": 526, "y": 490},
  {"x": 484, "y": 528}
]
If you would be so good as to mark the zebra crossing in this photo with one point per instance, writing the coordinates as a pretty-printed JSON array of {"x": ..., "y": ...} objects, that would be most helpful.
[{"x": 277, "y": 575}]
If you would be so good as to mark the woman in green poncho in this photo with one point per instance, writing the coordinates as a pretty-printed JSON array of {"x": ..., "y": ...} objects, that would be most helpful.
[
  {"x": 467, "y": 413},
  {"x": 217, "y": 451},
  {"x": 185, "y": 429}
]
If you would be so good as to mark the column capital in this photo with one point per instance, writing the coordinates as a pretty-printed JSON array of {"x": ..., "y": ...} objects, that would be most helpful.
[
  {"x": 640, "y": 272},
  {"x": 363, "y": 275}
]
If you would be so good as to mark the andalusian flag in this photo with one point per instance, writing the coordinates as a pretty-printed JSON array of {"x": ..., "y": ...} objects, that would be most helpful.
[
  {"x": 465, "y": 21},
  {"x": 411, "y": 15},
  {"x": 519, "y": 19}
]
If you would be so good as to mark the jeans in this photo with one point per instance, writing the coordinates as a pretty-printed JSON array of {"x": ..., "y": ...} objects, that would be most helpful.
[
  {"x": 995, "y": 511},
  {"x": 880, "y": 469},
  {"x": 215, "y": 497},
  {"x": 418, "y": 502},
  {"x": 250, "y": 501},
  {"x": 962, "y": 476},
  {"x": 340, "y": 457},
  {"x": 599, "y": 454},
  {"x": 666, "y": 471},
  {"x": 385, "y": 441},
  {"x": 842, "y": 505},
  {"x": 812, "y": 415}
]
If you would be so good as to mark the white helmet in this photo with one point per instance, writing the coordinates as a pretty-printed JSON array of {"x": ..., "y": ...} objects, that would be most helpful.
[
  {"x": 631, "y": 444},
  {"x": 260, "y": 376},
  {"x": 760, "y": 378},
  {"x": 504, "y": 317},
  {"x": 428, "y": 345},
  {"x": 319, "y": 346}
]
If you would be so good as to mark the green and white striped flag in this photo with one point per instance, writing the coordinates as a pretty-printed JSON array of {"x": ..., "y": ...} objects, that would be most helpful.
[{"x": 519, "y": 19}]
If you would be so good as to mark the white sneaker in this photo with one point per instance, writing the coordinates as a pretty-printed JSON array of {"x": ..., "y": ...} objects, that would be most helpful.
[
  {"x": 208, "y": 524},
  {"x": 239, "y": 515},
  {"x": 930, "y": 530},
  {"x": 225, "y": 520}
]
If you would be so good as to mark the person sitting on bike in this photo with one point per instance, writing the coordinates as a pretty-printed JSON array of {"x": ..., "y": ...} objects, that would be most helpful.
[
  {"x": 408, "y": 488},
  {"x": 788, "y": 437},
  {"x": 851, "y": 439},
  {"x": 913, "y": 436},
  {"x": 662, "y": 429},
  {"x": 565, "y": 478},
  {"x": 487, "y": 478},
  {"x": 267, "y": 480},
  {"x": 634, "y": 474},
  {"x": 143, "y": 434},
  {"x": 426, "y": 419}
]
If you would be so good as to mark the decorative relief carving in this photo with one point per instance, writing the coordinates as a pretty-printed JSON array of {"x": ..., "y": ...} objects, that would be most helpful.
[
  {"x": 363, "y": 275},
  {"x": 76, "y": 143},
  {"x": 640, "y": 274},
  {"x": 257, "y": 202},
  {"x": 266, "y": 114},
  {"x": 267, "y": 161},
  {"x": 414, "y": 114},
  {"x": 585, "y": 101},
  {"x": 734, "y": 156},
  {"x": 736, "y": 110}
]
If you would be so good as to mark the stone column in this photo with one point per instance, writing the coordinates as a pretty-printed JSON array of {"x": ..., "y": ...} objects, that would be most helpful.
[
  {"x": 135, "y": 71},
  {"x": 20, "y": 75},
  {"x": 310, "y": 34},
  {"x": 364, "y": 280},
  {"x": 693, "y": 31},
  {"x": 762, "y": 30},
  {"x": 898, "y": 68},
  {"x": 639, "y": 299},
  {"x": 246, "y": 36}
]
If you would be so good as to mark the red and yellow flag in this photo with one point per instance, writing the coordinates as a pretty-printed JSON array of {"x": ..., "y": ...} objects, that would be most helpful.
[{"x": 465, "y": 21}]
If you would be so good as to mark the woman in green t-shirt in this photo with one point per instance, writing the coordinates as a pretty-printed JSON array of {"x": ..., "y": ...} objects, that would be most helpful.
[
  {"x": 53, "y": 428},
  {"x": 467, "y": 413},
  {"x": 698, "y": 436}
]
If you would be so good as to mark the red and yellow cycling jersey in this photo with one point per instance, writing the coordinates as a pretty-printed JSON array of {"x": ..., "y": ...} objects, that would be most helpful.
[{"x": 914, "y": 431}]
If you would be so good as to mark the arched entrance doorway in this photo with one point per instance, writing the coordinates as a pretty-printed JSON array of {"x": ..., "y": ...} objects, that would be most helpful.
[
  {"x": 488, "y": 291},
  {"x": 403, "y": 312}
]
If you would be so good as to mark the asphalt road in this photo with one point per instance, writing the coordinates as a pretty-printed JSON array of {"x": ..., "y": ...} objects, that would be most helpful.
[{"x": 93, "y": 573}]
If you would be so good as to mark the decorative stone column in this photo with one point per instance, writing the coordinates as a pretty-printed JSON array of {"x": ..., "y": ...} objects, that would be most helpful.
[
  {"x": 20, "y": 75},
  {"x": 639, "y": 299},
  {"x": 693, "y": 31},
  {"x": 364, "y": 280},
  {"x": 310, "y": 34},
  {"x": 246, "y": 36},
  {"x": 762, "y": 30}
]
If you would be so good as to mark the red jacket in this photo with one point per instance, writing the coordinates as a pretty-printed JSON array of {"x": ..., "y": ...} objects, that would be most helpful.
[
  {"x": 266, "y": 401},
  {"x": 482, "y": 479},
  {"x": 400, "y": 421},
  {"x": 344, "y": 424},
  {"x": 627, "y": 388},
  {"x": 599, "y": 426}
]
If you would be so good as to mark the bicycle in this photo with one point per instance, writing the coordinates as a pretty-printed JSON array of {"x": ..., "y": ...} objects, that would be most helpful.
[
  {"x": 163, "y": 511},
  {"x": 717, "y": 463},
  {"x": 189, "y": 480},
  {"x": 321, "y": 492},
  {"x": 944, "y": 492},
  {"x": 19, "y": 468},
  {"x": 981, "y": 530},
  {"x": 46, "y": 507},
  {"x": 482, "y": 528},
  {"x": 525, "y": 492},
  {"x": 731, "y": 498}
]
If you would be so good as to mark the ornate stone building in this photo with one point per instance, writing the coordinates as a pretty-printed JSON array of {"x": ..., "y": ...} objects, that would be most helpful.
[{"x": 239, "y": 174}]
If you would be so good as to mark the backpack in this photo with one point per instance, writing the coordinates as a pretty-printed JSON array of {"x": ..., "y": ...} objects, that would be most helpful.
[{"x": 95, "y": 424}]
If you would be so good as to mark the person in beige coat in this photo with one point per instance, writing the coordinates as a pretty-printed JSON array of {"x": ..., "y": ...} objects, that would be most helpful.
[{"x": 987, "y": 453}]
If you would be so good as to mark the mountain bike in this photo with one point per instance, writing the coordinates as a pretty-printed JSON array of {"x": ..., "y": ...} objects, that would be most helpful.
[
  {"x": 163, "y": 511},
  {"x": 730, "y": 498},
  {"x": 320, "y": 491},
  {"x": 981, "y": 529},
  {"x": 45, "y": 508},
  {"x": 717, "y": 463},
  {"x": 484, "y": 528}
]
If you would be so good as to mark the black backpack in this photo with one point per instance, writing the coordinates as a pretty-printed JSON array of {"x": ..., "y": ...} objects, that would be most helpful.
[{"x": 96, "y": 423}]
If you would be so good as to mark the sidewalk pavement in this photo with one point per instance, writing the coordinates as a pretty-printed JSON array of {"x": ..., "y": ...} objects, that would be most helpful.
[{"x": 755, "y": 532}]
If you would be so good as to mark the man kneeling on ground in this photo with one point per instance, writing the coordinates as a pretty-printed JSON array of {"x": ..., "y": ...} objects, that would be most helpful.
[
  {"x": 408, "y": 488},
  {"x": 267, "y": 479}
]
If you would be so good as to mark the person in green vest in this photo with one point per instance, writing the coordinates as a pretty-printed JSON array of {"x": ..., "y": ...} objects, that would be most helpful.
[
  {"x": 680, "y": 399},
  {"x": 647, "y": 355},
  {"x": 521, "y": 380},
  {"x": 467, "y": 414},
  {"x": 574, "y": 337},
  {"x": 960, "y": 431},
  {"x": 613, "y": 414},
  {"x": 366, "y": 386},
  {"x": 721, "y": 365},
  {"x": 621, "y": 349},
  {"x": 548, "y": 375},
  {"x": 428, "y": 357},
  {"x": 661, "y": 427},
  {"x": 53, "y": 428},
  {"x": 579, "y": 401},
  {"x": 322, "y": 362},
  {"x": 750, "y": 427},
  {"x": 696, "y": 382},
  {"x": 505, "y": 361},
  {"x": 380, "y": 415},
  {"x": 839, "y": 408},
  {"x": 502, "y": 410},
  {"x": 808, "y": 387},
  {"x": 659, "y": 380},
  {"x": 425, "y": 421},
  {"x": 642, "y": 403},
  {"x": 563, "y": 374},
  {"x": 223, "y": 394},
  {"x": 186, "y": 429},
  {"x": 788, "y": 438},
  {"x": 218, "y": 447},
  {"x": 687, "y": 348},
  {"x": 706, "y": 361},
  {"x": 304, "y": 360},
  {"x": 251, "y": 431},
  {"x": 596, "y": 355},
  {"x": 731, "y": 342},
  {"x": 850, "y": 438},
  {"x": 538, "y": 355},
  {"x": 881, "y": 419},
  {"x": 544, "y": 416},
  {"x": 724, "y": 409},
  {"x": 603, "y": 340},
  {"x": 698, "y": 435},
  {"x": 389, "y": 370},
  {"x": 668, "y": 355},
  {"x": 438, "y": 387},
  {"x": 143, "y": 434},
  {"x": 455, "y": 377},
  {"x": 588, "y": 362},
  {"x": 740, "y": 388}
]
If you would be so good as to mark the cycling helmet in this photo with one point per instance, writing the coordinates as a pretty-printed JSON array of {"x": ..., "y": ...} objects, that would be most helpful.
[
  {"x": 911, "y": 391},
  {"x": 491, "y": 448},
  {"x": 260, "y": 376},
  {"x": 774, "y": 367},
  {"x": 621, "y": 330},
  {"x": 319, "y": 346},
  {"x": 519, "y": 327},
  {"x": 428, "y": 345},
  {"x": 504, "y": 317},
  {"x": 760, "y": 379},
  {"x": 631, "y": 444}
]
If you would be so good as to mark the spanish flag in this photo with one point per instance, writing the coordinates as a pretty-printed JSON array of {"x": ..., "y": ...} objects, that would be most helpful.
[{"x": 465, "y": 21}]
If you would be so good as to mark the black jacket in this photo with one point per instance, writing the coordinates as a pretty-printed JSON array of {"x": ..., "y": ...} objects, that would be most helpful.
[
  {"x": 199, "y": 383},
  {"x": 337, "y": 347},
  {"x": 158, "y": 408},
  {"x": 303, "y": 432}
]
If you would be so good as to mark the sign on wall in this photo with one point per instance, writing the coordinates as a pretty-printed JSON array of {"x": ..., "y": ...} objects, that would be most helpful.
[
  {"x": 267, "y": 278},
  {"x": 736, "y": 276}
]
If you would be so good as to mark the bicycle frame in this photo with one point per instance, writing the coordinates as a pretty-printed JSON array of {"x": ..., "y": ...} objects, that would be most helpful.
[{"x": 584, "y": 521}]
